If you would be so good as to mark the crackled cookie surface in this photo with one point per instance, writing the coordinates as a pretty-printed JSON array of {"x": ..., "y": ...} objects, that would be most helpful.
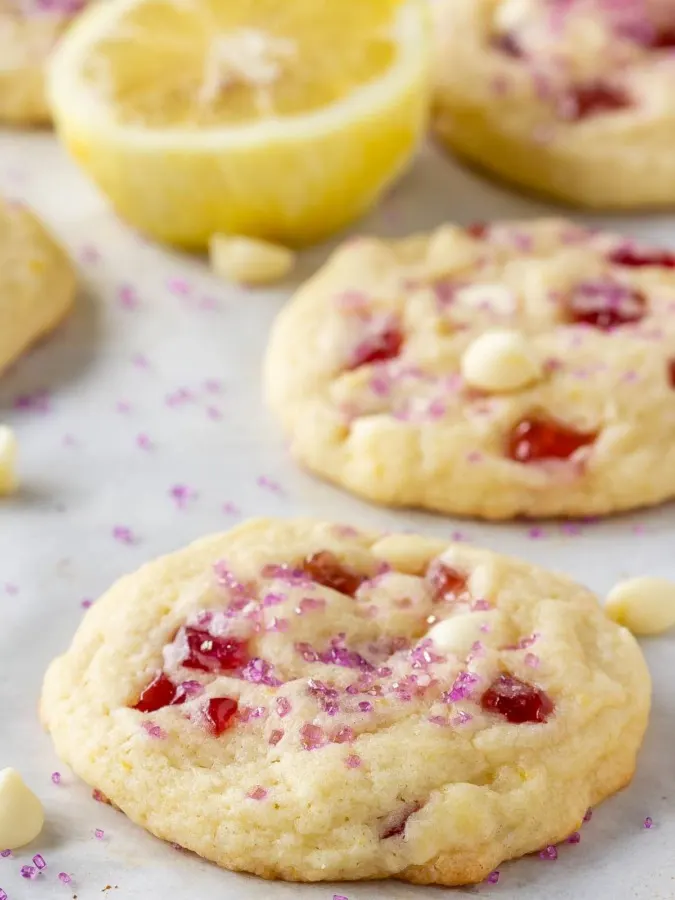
[
  {"x": 37, "y": 281},
  {"x": 29, "y": 29},
  {"x": 307, "y": 701},
  {"x": 501, "y": 370},
  {"x": 574, "y": 99}
]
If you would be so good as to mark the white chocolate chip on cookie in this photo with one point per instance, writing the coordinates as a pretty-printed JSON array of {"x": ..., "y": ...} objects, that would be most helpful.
[
  {"x": 501, "y": 361},
  {"x": 21, "y": 813},
  {"x": 248, "y": 261},
  {"x": 645, "y": 605},
  {"x": 8, "y": 450}
]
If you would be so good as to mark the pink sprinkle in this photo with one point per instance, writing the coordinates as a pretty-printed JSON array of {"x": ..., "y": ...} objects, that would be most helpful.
[
  {"x": 230, "y": 509},
  {"x": 345, "y": 735},
  {"x": 38, "y": 401},
  {"x": 531, "y": 660},
  {"x": 5, "y": 854},
  {"x": 11, "y": 589},
  {"x": 214, "y": 413},
  {"x": 182, "y": 495},
  {"x": 275, "y": 737},
  {"x": 3, "y": 895},
  {"x": 309, "y": 604},
  {"x": 648, "y": 822},
  {"x": 493, "y": 877},
  {"x": 141, "y": 361},
  {"x": 536, "y": 533},
  {"x": 122, "y": 406},
  {"x": 550, "y": 853},
  {"x": 283, "y": 706},
  {"x": 28, "y": 872},
  {"x": 123, "y": 534},
  {"x": 366, "y": 706},
  {"x": 144, "y": 442},
  {"x": 278, "y": 625},
  {"x": 98, "y": 796},
  {"x": 179, "y": 397},
  {"x": 311, "y": 737},
  {"x": 353, "y": 761},
  {"x": 258, "y": 793},
  {"x": 86, "y": 603},
  {"x": 179, "y": 286},
  {"x": 64, "y": 878},
  {"x": 127, "y": 297},
  {"x": 588, "y": 815},
  {"x": 56, "y": 777},
  {"x": 213, "y": 385},
  {"x": 639, "y": 529},
  {"x": 39, "y": 861},
  {"x": 474, "y": 456},
  {"x": 153, "y": 731},
  {"x": 574, "y": 838},
  {"x": 264, "y": 482},
  {"x": 335, "y": 897},
  {"x": 99, "y": 834},
  {"x": 570, "y": 529}
]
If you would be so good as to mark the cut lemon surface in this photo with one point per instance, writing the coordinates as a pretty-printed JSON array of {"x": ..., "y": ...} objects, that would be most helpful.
[{"x": 277, "y": 119}]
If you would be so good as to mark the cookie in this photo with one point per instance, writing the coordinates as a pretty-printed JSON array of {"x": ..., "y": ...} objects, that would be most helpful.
[
  {"x": 569, "y": 99},
  {"x": 310, "y": 702},
  {"x": 37, "y": 281},
  {"x": 512, "y": 369},
  {"x": 28, "y": 32}
]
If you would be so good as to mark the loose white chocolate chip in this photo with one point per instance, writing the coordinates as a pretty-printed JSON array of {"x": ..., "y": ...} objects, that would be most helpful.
[
  {"x": 644, "y": 605},
  {"x": 8, "y": 451},
  {"x": 21, "y": 813},
  {"x": 248, "y": 260},
  {"x": 501, "y": 361},
  {"x": 496, "y": 299},
  {"x": 459, "y": 633}
]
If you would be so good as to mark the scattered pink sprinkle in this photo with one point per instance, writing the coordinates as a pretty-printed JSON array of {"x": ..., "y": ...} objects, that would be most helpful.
[
  {"x": 311, "y": 737},
  {"x": 56, "y": 777},
  {"x": 123, "y": 406},
  {"x": 69, "y": 440},
  {"x": 283, "y": 706},
  {"x": 571, "y": 529},
  {"x": 5, "y": 854},
  {"x": 64, "y": 878},
  {"x": 11, "y": 589},
  {"x": 123, "y": 534},
  {"x": 39, "y": 861},
  {"x": 574, "y": 838},
  {"x": 309, "y": 604},
  {"x": 141, "y": 361},
  {"x": 536, "y": 533},
  {"x": 230, "y": 509},
  {"x": 38, "y": 401},
  {"x": 214, "y": 413},
  {"x": 3, "y": 895},
  {"x": 153, "y": 731},
  {"x": 128, "y": 298},
  {"x": 98, "y": 796},
  {"x": 144, "y": 442},
  {"x": 213, "y": 385},
  {"x": 353, "y": 761},
  {"x": 493, "y": 877},
  {"x": 99, "y": 834},
  {"x": 588, "y": 815},
  {"x": 182, "y": 495},
  {"x": 639, "y": 528},
  {"x": 264, "y": 482},
  {"x": 345, "y": 735},
  {"x": 335, "y": 897},
  {"x": 179, "y": 286},
  {"x": 549, "y": 853},
  {"x": 28, "y": 872},
  {"x": 648, "y": 822},
  {"x": 275, "y": 737},
  {"x": 258, "y": 793},
  {"x": 179, "y": 397},
  {"x": 531, "y": 660},
  {"x": 366, "y": 706},
  {"x": 86, "y": 603}
]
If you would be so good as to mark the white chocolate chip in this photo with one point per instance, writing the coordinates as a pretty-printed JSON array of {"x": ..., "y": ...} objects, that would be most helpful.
[
  {"x": 511, "y": 14},
  {"x": 8, "y": 451},
  {"x": 501, "y": 361},
  {"x": 248, "y": 260},
  {"x": 21, "y": 813},
  {"x": 459, "y": 633},
  {"x": 644, "y": 605}
]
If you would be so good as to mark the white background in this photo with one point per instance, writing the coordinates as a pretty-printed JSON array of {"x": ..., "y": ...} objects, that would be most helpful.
[{"x": 138, "y": 338}]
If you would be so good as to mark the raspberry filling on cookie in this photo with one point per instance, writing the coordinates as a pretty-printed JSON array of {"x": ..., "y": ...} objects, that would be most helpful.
[
  {"x": 634, "y": 258},
  {"x": 447, "y": 582},
  {"x": 326, "y": 569},
  {"x": 207, "y": 653},
  {"x": 587, "y": 100},
  {"x": 219, "y": 712},
  {"x": 378, "y": 348},
  {"x": 537, "y": 440},
  {"x": 517, "y": 701},
  {"x": 159, "y": 693},
  {"x": 605, "y": 305}
]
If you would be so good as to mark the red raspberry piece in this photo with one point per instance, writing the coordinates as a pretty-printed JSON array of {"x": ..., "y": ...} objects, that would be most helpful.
[
  {"x": 214, "y": 654},
  {"x": 593, "y": 99},
  {"x": 326, "y": 569},
  {"x": 219, "y": 713},
  {"x": 378, "y": 348},
  {"x": 638, "y": 259},
  {"x": 534, "y": 440},
  {"x": 517, "y": 701},
  {"x": 159, "y": 693},
  {"x": 447, "y": 583}
]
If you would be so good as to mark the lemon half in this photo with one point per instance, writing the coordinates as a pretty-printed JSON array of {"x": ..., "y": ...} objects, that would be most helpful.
[{"x": 277, "y": 119}]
